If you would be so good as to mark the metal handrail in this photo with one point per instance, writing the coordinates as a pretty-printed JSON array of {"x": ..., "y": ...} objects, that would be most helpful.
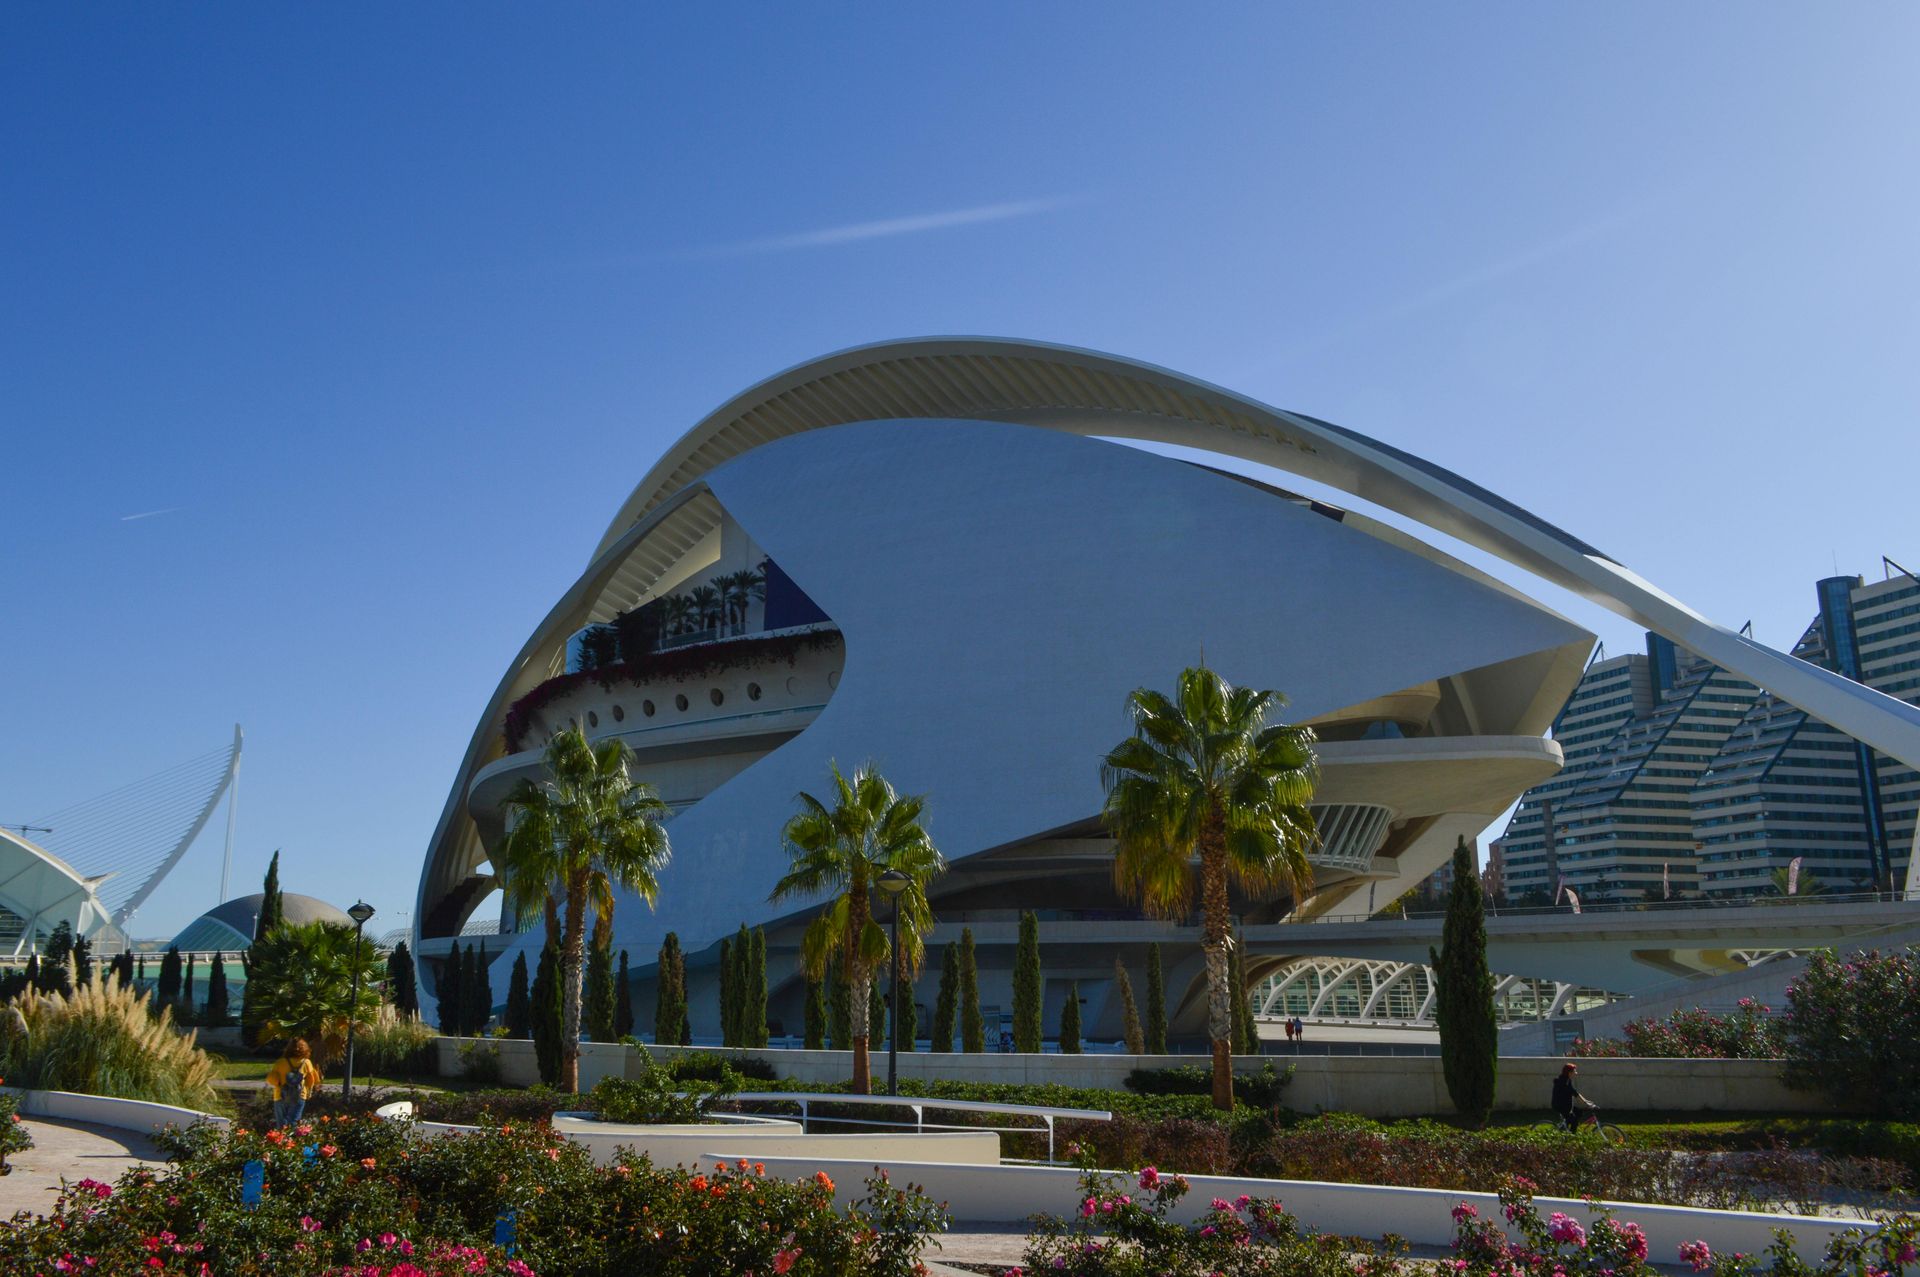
[{"x": 920, "y": 1104}]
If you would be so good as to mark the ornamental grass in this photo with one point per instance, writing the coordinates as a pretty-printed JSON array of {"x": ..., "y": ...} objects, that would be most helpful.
[{"x": 105, "y": 1039}]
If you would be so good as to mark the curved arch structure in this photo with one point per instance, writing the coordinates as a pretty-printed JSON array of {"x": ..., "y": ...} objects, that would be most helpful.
[
  {"x": 1065, "y": 388},
  {"x": 970, "y": 543},
  {"x": 39, "y": 891}
]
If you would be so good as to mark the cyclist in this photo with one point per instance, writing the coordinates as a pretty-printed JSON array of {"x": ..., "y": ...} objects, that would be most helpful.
[{"x": 1566, "y": 1096}]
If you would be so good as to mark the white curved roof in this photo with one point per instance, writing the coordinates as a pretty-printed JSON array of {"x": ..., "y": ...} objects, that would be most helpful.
[
  {"x": 1087, "y": 392},
  {"x": 43, "y": 891}
]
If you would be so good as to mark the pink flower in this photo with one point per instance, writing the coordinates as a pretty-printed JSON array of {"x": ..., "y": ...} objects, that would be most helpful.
[
  {"x": 100, "y": 1191},
  {"x": 784, "y": 1260},
  {"x": 1565, "y": 1229},
  {"x": 1149, "y": 1178},
  {"x": 308, "y": 1224},
  {"x": 1240, "y": 1202},
  {"x": 1696, "y": 1255},
  {"x": 1219, "y": 1203},
  {"x": 1464, "y": 1212},
  {"x": 1088, "y": 1207}
]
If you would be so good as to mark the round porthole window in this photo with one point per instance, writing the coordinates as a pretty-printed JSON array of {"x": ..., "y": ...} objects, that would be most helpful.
[
  {"x": 619, "y": 715},
  {"x": 753, "y": 691},
  {"x": 646, "y": 707},
  {"x": 716, "y": 695},
  {"x": 833, "y": 678},
  {"x": 593, "y": 719},
  {"x": 793, "y": 686},
  {"x": 680, "y": 702}
]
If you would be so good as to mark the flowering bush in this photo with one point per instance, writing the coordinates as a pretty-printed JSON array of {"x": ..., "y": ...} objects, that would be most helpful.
[
  {"x": 1849, "y": 1028},
  {"x": 356, "y": 1197},
  {"x": 1124, "y": 1229},
  {"x": 1561, "y": 1246},
  {"x": 1751, "y": 1032},
  {"x": 14, "y": 1137}
]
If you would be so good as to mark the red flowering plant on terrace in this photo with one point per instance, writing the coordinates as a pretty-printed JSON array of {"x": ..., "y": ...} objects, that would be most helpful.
[
  {"x": 359, "y": 1197},
  {"x": 1124, "y": 1228},
  {"x": 1750, "y": 1032},
  {"x": 1605, "y": 1246}
]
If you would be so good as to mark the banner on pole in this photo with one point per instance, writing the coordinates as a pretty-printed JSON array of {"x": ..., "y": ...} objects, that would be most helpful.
[
  {"x": 1666, "y": 883},
  {"x": 1793, "y": 875},
  {"x": 1573, "y": 898}
]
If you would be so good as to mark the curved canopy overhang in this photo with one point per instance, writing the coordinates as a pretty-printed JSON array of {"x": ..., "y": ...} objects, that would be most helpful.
[
  {"x": 43, "y": 891},
  {"x": 1086, "y": 392}
]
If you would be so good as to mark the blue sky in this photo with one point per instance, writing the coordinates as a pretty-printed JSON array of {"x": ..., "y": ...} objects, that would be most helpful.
[{"x": 379, "y": 311}]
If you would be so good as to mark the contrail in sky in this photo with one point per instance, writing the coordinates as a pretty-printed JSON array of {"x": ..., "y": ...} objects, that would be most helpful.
[
  {"x": 148, "y": 514},
  {"x": 885, "y": 228}
]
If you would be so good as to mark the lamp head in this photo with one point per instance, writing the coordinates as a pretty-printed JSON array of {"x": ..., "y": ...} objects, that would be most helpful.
[
  {"x": 893, "y": 882},
  {"x": 360, "y": 912}
]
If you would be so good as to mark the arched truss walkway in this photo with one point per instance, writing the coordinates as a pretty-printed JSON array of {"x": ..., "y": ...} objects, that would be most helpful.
[{"x": 1369, "y": 991}]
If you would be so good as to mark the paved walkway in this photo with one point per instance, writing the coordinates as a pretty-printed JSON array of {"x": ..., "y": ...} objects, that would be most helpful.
[{"x": 74, "y": 1150}]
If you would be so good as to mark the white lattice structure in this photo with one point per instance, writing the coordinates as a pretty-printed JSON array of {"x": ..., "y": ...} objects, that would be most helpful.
[{"x": 1401, "y": 993}]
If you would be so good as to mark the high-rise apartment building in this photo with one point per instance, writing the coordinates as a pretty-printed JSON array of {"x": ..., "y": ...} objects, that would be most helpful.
[{"x": 1680, "y": 777}]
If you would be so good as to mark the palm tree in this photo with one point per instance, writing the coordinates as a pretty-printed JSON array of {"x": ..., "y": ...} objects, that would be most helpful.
[
  {"x": 1204, "y": 776},
  {"x": 680, "y": 613},
  {"x": 844, "y": 849},
  {"x": 742, "y": 589},
  {"x": 1808, "y": 884},
  {"x": 301, "y": 982},
  {"x": 706, "y": 602},
  {"x": 585, "y": 829}
]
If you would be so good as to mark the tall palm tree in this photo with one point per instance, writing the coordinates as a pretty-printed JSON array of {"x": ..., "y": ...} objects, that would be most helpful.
[
  {"x": 706, "y": 602},
  {"x": 680, "y": 613},
  {"x": 575, "y": 835},
  {"x": 743, "y": 589},
  {"x": 1205, "y": 778},
  {"x": 844, "y": 849}
]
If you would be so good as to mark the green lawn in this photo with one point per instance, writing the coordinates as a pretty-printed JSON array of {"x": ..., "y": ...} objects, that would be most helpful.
[{"x": 254, "y": 1069}]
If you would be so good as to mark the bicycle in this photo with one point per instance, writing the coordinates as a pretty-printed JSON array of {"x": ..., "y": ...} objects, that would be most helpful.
[{"x": 1589, "y": 1122}]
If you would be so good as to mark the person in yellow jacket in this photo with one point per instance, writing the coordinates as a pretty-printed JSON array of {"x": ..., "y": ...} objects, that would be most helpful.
[{"x": 292, "y": 1079}]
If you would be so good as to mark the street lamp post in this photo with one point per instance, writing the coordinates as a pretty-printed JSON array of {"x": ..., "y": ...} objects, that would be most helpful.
[
  {"x": 893, "y": 882},
  {"x": 360, "y": 912}
]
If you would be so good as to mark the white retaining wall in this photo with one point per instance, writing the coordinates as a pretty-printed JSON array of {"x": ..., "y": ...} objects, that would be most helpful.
[
  {"x": 104, "y": 1110},
  {"x": 1377, "y": 1086},
  {"x": 980, "y": 1194}
]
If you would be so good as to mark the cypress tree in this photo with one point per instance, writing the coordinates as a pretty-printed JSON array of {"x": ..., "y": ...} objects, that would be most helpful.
[
  {"x": 453, "y": 1004},
  {"x": 402, "y": 989},
  {"x": 1463, "y": 995},
  {"x": 33, "y": 971},
  {"x": 478, "y": 988},
  {"x": 596, "y": 1013},
  {"x": 816, "y": 1015},
  {"x": 756, "y": 1014},
  {"x": 1027, "y": 986},
  {"x": 729, "y": 1013},
  {"x": 840, "y": 1010},
  {"x": 168, "y": 990},
  {"x": 877, "y": 1028},
  {"x": 60, "y": 944},
  {"x": 217, "y": 992},
  {"x": 973, "y": 1028},
  {"x": 623, "y": 1001},
  {"x": 82, "y": 962},
  {"x": 185, "y": 1013},
  {"x": 272, "y": 909},
  {"x": 1070, "y": 1021},
  {"x": 669, "y": 992},
  {"x": 1243, "y": 1008},
  {"x": 907, "y": 1031},
  {"x": 546, "y": 1015},
  {"x": 519, "y": 1017},
  {"x": 941, "y": 1032},
  {"x": 1130, "y": 1029},
  {"x": 1156, "y": 1025},
  {"x": 742, "y": 987},
  {"x": 140, "y": 971}
]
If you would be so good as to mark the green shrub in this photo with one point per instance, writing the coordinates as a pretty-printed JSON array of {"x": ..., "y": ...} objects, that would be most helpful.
[
  {"x": 480, "y": 1062},
  {"x": 1850, "y": 1031},
  {"x": 14, "y": 1136},
  {"x": 710, "y": 1066},
  {"x": 362, "y": 1196},
  {"x": 1748, "y": 1033},
  {"x": 658, "y": 1097},
  {"x": 396, "y": 1045},
  {"x": 101, "y": 1040},
  {"x": 1261, "y": 1089}
]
